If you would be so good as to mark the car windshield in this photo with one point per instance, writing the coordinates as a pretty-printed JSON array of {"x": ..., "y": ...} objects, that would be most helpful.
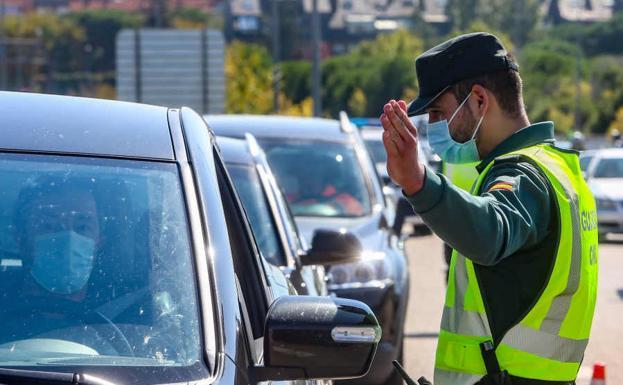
[
  {"x": 377, "y": 150},
  {"x": 95, "y": 266},
  {"x": 609, "y": 168},
  {"x": 249, "y": 188},
  {"x": 321, "y": 179}
]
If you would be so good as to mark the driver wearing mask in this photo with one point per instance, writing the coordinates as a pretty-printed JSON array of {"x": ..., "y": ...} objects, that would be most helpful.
[{"x": 57, "y": 233}]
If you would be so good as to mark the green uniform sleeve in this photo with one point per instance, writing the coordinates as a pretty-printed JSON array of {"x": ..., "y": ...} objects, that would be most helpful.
[{"x": 512, "y": 213}]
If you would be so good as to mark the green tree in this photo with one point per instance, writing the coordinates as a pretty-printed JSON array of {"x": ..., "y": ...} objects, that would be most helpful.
[
  {"x": 553, "y": 90},
  {"x": 516, "y": 19},
  {"x": 101, "y": 28},
  {"x": 62, "y": 41},
  {"x": 248, "y": 73},
  {"x": 296, "y": 80},
  {"x": 194, "y": 18},
  {"x": 607, "y": 94},
  {"x": 462, "y": 13},
  {"x": 382, "y": 69},
  {"x": 594, "y": 39}
]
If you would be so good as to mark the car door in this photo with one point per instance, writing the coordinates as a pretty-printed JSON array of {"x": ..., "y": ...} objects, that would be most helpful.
[{"x": 259, "y": 282}]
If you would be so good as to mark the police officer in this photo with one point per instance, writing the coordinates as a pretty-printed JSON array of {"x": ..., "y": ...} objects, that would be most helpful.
[{"x": 523, "y": 277}]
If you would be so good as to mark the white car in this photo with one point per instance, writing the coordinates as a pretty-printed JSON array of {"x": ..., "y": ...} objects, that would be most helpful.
[{"x": 603, "y": 170}]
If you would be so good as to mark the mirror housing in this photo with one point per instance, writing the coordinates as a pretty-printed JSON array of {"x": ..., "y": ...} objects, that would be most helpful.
[
  {"x": 330, "y": 247},
  {"x": 318, "y": 338}
]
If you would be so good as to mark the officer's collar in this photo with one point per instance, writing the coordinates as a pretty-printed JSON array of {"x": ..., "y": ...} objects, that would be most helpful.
[{"x": 542, "y": 132}]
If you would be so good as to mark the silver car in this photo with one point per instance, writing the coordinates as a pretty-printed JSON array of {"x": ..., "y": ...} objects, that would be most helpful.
[{"x": 604, "y": 172}]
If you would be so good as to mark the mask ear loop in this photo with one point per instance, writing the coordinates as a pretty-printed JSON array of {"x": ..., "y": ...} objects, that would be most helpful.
[
  {"x": 459, "y": 107},
  {"x": 477, "y": 127}
]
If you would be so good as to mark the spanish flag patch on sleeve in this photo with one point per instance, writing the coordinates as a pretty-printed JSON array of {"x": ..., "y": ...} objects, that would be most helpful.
[{"x": 508, "y": 186}]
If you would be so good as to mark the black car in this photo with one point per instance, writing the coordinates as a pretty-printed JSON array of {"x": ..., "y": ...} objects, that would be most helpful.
[
  {"x": 331, "y": 182},
  {"x": 126, "y": 258}
]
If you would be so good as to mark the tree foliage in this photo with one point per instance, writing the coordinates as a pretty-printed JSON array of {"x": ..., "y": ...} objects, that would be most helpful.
[
  {"x": 372, "y": 73},
  {"x": 518, "y": 19},
  {"x": 248, "y": 70}
]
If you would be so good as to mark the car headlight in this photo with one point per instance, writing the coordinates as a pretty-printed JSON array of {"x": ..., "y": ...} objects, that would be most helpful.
[
  {"x": 374, "y": 269},
  {"x": 605, "y": 204}
]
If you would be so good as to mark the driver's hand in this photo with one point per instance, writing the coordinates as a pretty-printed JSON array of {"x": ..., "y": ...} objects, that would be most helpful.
[{"x": 400, "y": 140}]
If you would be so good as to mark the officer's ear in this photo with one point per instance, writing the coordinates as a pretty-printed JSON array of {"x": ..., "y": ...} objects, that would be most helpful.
[{"x": 480, "y": 100}]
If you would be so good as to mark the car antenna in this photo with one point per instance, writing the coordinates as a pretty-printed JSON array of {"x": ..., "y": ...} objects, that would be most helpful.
[{"x": 407, "y": 378}]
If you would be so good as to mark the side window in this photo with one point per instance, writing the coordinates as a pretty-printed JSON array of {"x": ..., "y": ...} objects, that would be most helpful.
[{"x": 249, "y": 272}]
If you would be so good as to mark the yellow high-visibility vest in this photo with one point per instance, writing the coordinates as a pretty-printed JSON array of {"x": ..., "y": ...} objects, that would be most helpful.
[
  {"x": 549, "y": 342},
  {"x": 461, "y": 175}
]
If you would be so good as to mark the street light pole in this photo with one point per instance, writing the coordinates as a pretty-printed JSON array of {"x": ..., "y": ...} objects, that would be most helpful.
[
  {"x": 316, "y": 74},
  {"x": 276, "y": 36}
]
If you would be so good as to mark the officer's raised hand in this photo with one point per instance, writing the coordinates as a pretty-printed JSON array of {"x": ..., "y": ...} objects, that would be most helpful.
[{"x": 400, "y": 140}]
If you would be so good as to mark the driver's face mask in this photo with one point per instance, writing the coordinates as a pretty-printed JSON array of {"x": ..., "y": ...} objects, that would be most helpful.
[{"x": 63, "y": 261}]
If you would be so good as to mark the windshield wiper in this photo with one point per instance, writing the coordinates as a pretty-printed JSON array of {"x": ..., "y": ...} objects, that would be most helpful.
[{"x": 29, "y": 377}]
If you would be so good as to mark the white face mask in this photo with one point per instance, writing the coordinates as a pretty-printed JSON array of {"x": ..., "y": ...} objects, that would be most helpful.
[{"x": 449, "y": 149}]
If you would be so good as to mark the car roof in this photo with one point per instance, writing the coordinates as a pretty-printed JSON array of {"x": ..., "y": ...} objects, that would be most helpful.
[
  {"x": 270, "y": 126},
  {"x": 234, "y": 150},
  {"x": 65, "y": 124},
  {"x": 372, "y": 134},
  {"x": 607, "y": 153}
]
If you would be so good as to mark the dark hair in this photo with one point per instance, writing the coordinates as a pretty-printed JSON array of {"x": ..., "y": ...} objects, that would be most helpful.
[
  {"x": 505, "y": 85},
  {"x": 43, "y": 187}
]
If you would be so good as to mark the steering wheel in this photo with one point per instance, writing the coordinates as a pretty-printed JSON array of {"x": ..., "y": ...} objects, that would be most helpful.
[{"x": 76, "y": 311}]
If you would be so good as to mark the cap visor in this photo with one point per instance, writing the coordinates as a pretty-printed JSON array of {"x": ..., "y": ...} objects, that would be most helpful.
[{"x": 419, "y": 105}]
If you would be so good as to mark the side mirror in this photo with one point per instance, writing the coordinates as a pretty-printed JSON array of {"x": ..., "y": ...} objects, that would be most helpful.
[
  {"x": 330, "y": 247},
  {"x": 318, "y": 338}
]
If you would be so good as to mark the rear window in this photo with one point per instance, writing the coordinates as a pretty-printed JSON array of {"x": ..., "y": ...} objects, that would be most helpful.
[
  {"x": 95, "y": 264},
  {"x": 609, "y": 168},
  {"x": 321, "y": 179}
]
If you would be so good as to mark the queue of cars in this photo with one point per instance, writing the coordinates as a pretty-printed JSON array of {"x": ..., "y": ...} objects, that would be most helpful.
[
  {"x": 331, "y": 184},
  {"x": 136, "y": 248}
]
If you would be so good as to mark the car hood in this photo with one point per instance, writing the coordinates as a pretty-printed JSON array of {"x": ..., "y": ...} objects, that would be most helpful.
[
  {"x": 365, "y": 228},
  {"x": 607, "y": 188}
]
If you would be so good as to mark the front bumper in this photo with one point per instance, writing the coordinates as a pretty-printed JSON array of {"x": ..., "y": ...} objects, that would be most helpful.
[
  {"x": 382, "y": 367},
  {"x": 390, "y": 309},
  {"x": 381, "y": 298},
  {"x": 610, "y": 221}
]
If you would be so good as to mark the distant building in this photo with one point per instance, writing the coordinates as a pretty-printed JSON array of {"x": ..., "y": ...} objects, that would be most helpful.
[
  {"x": 352, "y": 21},
  {"x": 243, "y": 19},
  {"x": 580, "y": 11},
  {"x": 62, "y": 6}
]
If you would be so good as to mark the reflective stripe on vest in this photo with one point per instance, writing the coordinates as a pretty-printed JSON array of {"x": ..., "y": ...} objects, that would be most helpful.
[{"x": 549, "y": 342}]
